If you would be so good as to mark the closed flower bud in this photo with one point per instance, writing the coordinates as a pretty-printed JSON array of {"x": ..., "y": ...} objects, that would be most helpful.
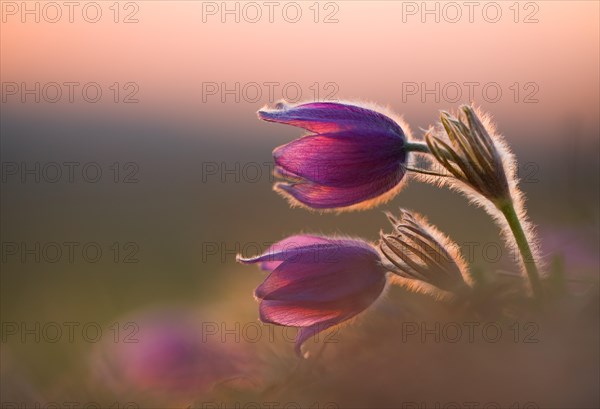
[
  {"x": 418, "y": 251},
  {"x": 472, "y": 153}
]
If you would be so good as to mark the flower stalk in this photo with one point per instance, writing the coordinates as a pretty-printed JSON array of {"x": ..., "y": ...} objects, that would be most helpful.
[
  {"x": 416, "y": 147},
  {"x": 509, "y": 212},
  {"x": 479, "y": 161}
]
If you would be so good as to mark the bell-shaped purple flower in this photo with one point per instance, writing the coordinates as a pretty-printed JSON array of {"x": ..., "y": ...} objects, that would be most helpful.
[
  {"x": 355, "y": 157},
  {"x": 317, "y": 282}
]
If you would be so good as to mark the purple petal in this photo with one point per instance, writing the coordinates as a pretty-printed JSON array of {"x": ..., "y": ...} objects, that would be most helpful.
[
  {"x": 336, "y": 273},
  {"x": 313, "y": 318},
  {"x": 306, "y": 333},
  {"x": 328, "y": 197},
  {"x": 343, "y": 159},
  {"x": 296, "y": 314},
  {"x": 278, "y": 252},
  {"x": 322, "y": 117},
  {"x": 307, "y": 313}
]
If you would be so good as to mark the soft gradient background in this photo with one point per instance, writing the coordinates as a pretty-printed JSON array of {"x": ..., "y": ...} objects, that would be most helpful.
[{"x": 188, "y": 222}]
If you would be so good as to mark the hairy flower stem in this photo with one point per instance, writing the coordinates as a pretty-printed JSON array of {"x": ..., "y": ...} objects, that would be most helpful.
[
  {"x": 420, "y": 147},
  {"x": 416, "y": 147},
  {"x": 508, "y": 210}
]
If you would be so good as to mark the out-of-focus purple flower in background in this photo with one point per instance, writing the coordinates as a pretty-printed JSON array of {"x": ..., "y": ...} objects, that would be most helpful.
[
  {"x": 576, "y": 247},
  {"x": 164, "y": 354},
  {"x": 354, "y": 158},
  {"x": 317, "y": 282}
]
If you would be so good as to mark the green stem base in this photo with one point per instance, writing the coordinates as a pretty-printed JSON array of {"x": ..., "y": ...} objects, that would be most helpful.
[{"x": 508, "y": 210}]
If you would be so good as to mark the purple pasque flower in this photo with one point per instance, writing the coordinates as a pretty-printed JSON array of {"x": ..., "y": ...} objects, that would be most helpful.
[
  {"x": 355, "y": 157},
  {"x": 317, "y": 282}
]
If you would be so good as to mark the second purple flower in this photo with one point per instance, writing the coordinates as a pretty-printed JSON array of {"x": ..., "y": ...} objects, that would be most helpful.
[
  {"x": 355, "y": 157},
  {"x": 317, "y": 282}
]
